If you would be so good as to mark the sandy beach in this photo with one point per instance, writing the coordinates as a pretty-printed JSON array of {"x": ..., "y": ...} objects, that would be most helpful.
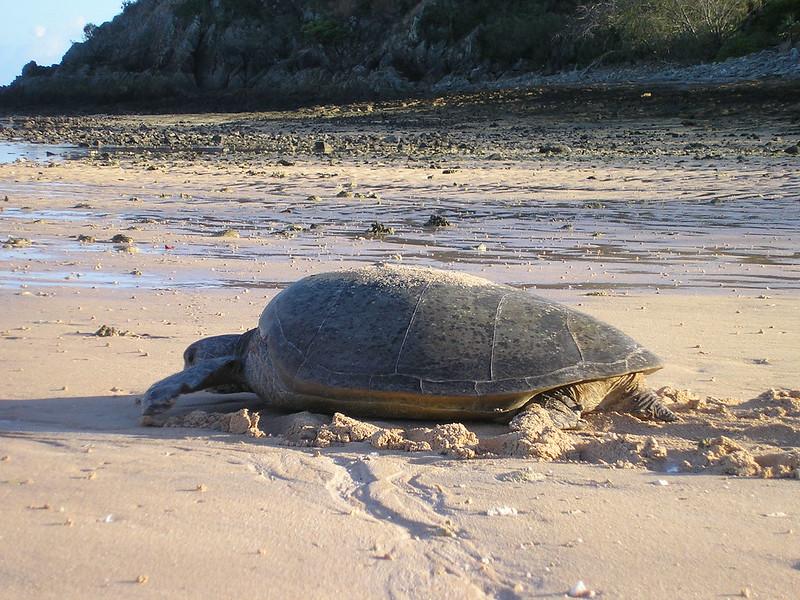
[{"x": 691, "y": 250}]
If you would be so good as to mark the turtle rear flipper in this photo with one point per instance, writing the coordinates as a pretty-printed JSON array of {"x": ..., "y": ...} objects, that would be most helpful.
[
  {"x": 646, "y": 405},
  {"x": 208, "y": 373}
]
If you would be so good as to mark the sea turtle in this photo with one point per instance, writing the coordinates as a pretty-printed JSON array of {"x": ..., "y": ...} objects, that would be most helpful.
[{"x": 395, "y": 341}]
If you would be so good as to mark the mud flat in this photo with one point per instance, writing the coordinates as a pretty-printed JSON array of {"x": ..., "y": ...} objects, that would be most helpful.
[{"x": 692, "y": 251}]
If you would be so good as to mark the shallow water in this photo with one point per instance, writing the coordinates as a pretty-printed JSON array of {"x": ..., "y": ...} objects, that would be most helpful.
[
  {"x": 11, "y": 151},
  {"x": 737, "y": 237}
]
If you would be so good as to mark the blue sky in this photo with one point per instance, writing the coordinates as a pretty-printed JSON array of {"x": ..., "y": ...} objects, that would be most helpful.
[{"x": 43, "y": 30}]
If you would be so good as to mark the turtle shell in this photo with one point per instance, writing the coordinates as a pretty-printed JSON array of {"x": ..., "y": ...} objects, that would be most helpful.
[{"x": 408, "y": 341}]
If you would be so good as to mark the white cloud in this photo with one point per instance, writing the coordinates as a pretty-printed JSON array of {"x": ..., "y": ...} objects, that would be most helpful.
[{"x": 39, "y": 31}]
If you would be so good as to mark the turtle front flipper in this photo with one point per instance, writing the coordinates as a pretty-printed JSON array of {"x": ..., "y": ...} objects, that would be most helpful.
[{"x": 205, "y": 374}]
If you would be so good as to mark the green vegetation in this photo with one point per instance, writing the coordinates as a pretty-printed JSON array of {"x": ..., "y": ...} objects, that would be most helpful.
[
  {"x": 506, "y": 30},
  {"x": 325, "y": 31},
  {"x": 550, "y": 33},
  {"x": 532, "y": 32},
  {"x": 88, "y": 31},
  {"x": 777, "y": 21}
]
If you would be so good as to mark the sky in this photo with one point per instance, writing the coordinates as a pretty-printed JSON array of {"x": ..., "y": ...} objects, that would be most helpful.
[{"x": 43, "y": 30}]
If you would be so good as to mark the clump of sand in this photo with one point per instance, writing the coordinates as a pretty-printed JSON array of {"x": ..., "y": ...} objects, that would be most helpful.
[
  {"x": 624, "y": 451},
  {"x": 533, "y": 435},
  {"x": 727, "y": 456},
  {"x": 452, "y": 439},
  {"x": 778, "y": 402},
  {"x": 242, "y": 422}
]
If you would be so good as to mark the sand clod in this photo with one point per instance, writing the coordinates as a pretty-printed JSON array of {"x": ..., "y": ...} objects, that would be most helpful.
[{"x": 242, "y": 422}]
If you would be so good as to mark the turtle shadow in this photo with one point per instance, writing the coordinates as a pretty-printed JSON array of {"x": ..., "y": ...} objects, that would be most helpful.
[{"x": 114, "y": 414}]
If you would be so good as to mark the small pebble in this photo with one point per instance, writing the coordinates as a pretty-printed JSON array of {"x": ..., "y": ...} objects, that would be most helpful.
[
  {"x": 201, "y": 488},
  {"x": 579, "y": 590},
  {"x": 142, "y": 579},
  {"x": 501, "y": 511}
]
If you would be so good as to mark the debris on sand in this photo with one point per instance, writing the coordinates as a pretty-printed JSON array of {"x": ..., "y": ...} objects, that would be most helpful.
[
  {"x": 106, "y": 331},
  {"x": 121, "y": 238},
  {"x": 526, "y": 475},
  {"x": 13, "y": 242},
  {"x": 379, "y": 229},
  {"x": 86, "y": 239},
  {"x": 437, "y": 221},
  {"x": 579, "y": 590},
  {"x": 549, "y": 148},
  {"x": 501, "y": 511},
  {"x": 227, "y": 233}
]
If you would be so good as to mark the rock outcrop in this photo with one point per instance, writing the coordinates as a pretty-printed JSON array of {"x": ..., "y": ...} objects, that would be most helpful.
[{"x": 263, "y": 52}]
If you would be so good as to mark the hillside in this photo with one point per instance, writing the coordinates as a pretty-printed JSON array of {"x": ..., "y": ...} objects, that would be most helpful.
[{"x": 280, "y": 52}]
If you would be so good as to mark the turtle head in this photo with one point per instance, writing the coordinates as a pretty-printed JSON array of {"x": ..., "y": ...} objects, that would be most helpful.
[{"x": 217, "y": 346}]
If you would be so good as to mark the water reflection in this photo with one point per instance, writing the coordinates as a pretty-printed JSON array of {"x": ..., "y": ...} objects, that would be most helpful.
[{"x": 11, "y": 151}]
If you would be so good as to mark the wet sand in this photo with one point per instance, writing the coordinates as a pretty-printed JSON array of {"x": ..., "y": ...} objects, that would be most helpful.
[{"x": 695, "y": 257}]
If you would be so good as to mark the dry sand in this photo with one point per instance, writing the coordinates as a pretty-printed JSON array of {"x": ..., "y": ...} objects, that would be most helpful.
[{"x": 699, "y": 263}]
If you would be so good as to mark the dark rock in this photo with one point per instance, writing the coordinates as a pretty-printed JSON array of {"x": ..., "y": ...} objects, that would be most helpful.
[
  {"x": 792, "y": 149},
  {"x": 554, "y": 149},
  {"x": 324, "y": 148},
  {"x": 437, "y": 221}
]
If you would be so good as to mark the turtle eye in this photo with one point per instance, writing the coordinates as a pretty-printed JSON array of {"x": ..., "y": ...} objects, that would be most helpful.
[{"x": 189, "y": 356}]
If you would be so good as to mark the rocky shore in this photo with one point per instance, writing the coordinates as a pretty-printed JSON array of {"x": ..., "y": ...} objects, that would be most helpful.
[{"x": 638, "y": 120}]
